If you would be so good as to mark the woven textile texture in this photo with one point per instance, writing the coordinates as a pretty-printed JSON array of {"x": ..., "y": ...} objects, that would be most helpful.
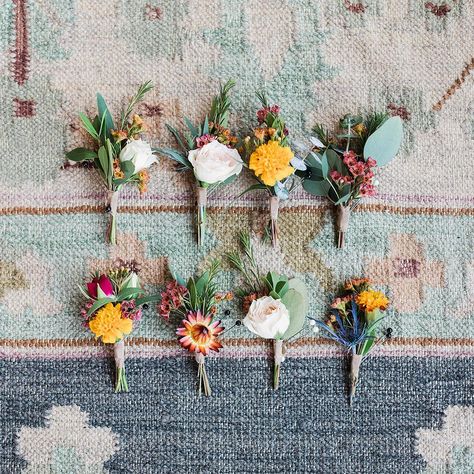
[{"x": 318, "y": 60}]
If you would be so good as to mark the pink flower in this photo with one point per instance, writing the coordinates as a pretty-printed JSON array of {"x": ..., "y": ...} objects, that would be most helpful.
[
  {"x": 262, "y": 114},
  {"x": 275, "y": 109},
  {"x": 335, "y": 175},
  {"x": 358, "y": 169},
  {"x": 104, "y": 283},
  {"x": 367, "y": 190},
  {"x": 204, "y": 140},
  {"x": 349, "y": 158},
  {"x": 371, "y": 163}
]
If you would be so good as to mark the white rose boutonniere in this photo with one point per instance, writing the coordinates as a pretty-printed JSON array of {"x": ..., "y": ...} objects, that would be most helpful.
[{"x": 275, "y": 305}]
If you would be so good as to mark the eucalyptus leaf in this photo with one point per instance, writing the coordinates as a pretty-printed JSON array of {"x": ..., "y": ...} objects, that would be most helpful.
[
  {"x": 334, "y": 160},
  {"x": 302, "y": 289},
  {"x": 295, "y": 304},
  {"x": 325, "y": 165},
  {"x": 385, "y": 142},
  {"x": 317, "y": 188}
]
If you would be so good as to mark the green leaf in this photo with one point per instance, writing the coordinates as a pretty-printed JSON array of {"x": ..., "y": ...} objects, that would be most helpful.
[
  {"x": 342, "y": 200},
  {"x": 295, "y": 304},
  {"x": 88, "y": 126},
  {"x": 301, "y": 288},
  {"x": 177, "y": 137},
  {"x": 205, "y": 127},
  {"x": 385, "y": 142},
  {"x": 128, "y": 168},
  {"x": 194, "y": 131},
  {"x": 193, "y": 297},
  {"x": 98, "y": 304},
  {"x": 176, "y": 156},
  {"x": 313, "y": 160},
  {"x": 129, "y": 293},
  {"x": 317, "y": 188},
  {"x": 325, "y": 164},
  {"x": 104, "y": 111},
  {"x": 104, "y": 162},
  {"x": 147, "y": 299},
  {"x": 201, "y": 282},
  {"x": 281, "y": 288},
  {"x": 254, "y": 187},
  {"x": 334, "y": 160},
  {"x": 81, "y": 154},
  {"x": 110, "y": 154}
]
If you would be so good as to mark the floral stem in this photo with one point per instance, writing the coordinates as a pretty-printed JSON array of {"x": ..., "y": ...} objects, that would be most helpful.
[
  {"x": 354, "y": 375},
  {"x": 204, "y": 385},
  {"x": 201, "y": 214},
  {"x": 121, "y": 384},
  {"x": 274, "y": 205},
  {"x": 112, "y": 199},
  {"x": 278, "y": 357},
  {"x": 343, "y": 214}
]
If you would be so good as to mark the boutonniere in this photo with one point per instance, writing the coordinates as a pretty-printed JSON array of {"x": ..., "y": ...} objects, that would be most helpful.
[
  {"x": 275, "y": 305},
  {"x": 114, "y": 306},
  {"x": 271, "y": 160},
  {"x": 343, "y": 167},
  {"x": 354, "y": 321},
  {"x": 192, "y": 307},
  {"x": 207, "y": 149},
  {"x": 121, "y": 157}
]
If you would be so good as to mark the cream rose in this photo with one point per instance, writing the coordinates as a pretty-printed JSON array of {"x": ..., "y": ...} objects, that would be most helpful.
[
  {"x": 139, "y": 153},
  {"x": 267, "y": 317},
  {"x": 215, "y": 162}
]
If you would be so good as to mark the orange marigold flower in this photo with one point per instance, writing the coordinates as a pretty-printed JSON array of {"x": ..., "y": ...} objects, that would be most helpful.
[
  {"x": 199, "y": 334},
  {"x": 371, "y": 300},
  {"x": 109, "y": 324},
  {"x": 271, "y": 162}
]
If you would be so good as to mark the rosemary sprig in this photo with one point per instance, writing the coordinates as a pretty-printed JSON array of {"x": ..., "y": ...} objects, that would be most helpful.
[
  {"x": 219, "y": 114},
  {"x": 138, "y": 97}
]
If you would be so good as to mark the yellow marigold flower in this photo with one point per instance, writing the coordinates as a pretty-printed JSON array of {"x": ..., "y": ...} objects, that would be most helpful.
[
  {"x": 371, "y": 300},
  {"x": 271, "y": 162},
  {"x": 359, "y": 128},
  {"x": 109, "y": 324}
]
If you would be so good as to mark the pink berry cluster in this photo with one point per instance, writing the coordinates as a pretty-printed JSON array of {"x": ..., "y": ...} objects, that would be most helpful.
[
  {"x": 361, "y": 174},
  {"x": 171, "y": 298}
]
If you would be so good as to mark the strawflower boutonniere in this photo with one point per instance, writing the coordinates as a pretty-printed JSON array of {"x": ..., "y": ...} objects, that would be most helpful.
[
  {"x": 208, "y": 151},
  {"x": 121, "y": 156},
  {"x": 114, "y": 306},
  {"x": 271, "y": 160},
  {"x": 354, "y": 321},
  {"x": 343, "y": 167},
  {"x": 275, "y": 306},
  {"x": 192, "y": 307}
]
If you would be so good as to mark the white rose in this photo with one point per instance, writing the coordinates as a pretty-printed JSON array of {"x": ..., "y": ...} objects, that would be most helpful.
[
  {"x": 267, "y": 317},
  {"x": 215, "y": 162},
  {"x": 139, "y": 153}
]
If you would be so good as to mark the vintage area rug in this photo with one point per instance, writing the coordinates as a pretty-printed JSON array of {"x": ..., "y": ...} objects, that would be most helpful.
[{"x": 318, "y": 60}]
